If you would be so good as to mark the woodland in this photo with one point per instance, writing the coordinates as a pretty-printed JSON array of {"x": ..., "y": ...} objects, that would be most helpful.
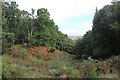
[{"x": 34, "y": 47}]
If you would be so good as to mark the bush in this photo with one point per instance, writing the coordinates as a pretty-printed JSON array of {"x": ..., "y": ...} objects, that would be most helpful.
[
  {"x": 52, "y": 49},
  {"x": 71, "y": 72},
  {"x": 6, "y": 41},
  {"x": 21, "y": 53},
  {"x": 89, "y": 74},
  {"x": 39, "y": 56}
]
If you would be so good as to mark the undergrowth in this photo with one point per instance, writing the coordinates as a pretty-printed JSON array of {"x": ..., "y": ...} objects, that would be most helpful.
[{"x": 22, "y": 64}]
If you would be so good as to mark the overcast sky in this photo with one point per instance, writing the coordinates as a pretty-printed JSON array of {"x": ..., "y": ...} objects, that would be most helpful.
[{"x": 73, "y": 17}]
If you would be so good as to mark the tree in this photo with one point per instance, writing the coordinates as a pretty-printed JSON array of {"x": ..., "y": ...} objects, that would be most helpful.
[
  {"x": 103, "y": 40},
  {"x": 35, "y": 30}
]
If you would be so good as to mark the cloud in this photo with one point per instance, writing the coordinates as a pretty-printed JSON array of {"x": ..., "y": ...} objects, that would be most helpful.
[
  {"x": 67, "y": 13},
  {"x": 78, "y": 29}
]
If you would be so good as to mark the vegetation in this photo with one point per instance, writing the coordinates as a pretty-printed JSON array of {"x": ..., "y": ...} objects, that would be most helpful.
[
  {"x": 21, "y": 27},
  {"x": 33, "y": 47},
  {"x": 58, "y": 64},
  {"x": 103, "y": 40},
  {"x": 52, "y": 49}
]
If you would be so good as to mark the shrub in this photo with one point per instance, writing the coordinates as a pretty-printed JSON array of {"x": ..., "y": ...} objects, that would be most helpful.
[
  {"x": 39, "y": 56},
  {"x": 6, "y": 41},
  {"x": 91, "y": 74},
  {"x": 20, "y": 53},
  {"x": 52, "y": 49}
]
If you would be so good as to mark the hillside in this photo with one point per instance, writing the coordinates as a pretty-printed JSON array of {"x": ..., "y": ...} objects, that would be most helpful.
[
  {"x": 34, "y": 46},
  {"x": 0, "y": 66},
  {"x": 75, "y": 37},
  {"x": 38, "y": 62}
]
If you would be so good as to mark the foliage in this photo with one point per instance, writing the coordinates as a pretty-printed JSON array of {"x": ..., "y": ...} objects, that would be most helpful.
[
  {"x": 35, "y": 30},
  {"x": 28, "y": 29},
  {"x": 103, "y": 40},
  {"x": 7, "y": 41},
  {"x": 52, "y": 49},
  {"x": 21, "y": 53},
  {"x": 59, "y": 66}
]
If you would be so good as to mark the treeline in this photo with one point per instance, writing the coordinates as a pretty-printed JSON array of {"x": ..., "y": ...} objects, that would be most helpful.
[
  {"x": 22, "y": 27},
  {"x": 103, "y": 40}
]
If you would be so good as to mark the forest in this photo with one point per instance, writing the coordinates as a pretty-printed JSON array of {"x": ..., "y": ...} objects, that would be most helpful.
[{"x": 34, "y": 47}]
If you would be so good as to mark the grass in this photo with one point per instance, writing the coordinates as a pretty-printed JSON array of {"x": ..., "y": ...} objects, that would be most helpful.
[
  {"x": 23, "y": 64},
  {"x": 0, "y": 67}
]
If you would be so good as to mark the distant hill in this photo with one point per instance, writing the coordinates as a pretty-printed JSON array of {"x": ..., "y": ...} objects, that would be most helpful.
[{"x": 74, "y": 37}]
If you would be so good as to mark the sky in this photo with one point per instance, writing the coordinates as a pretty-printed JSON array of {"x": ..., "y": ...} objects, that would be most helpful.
[{"x": 73, "y": 17}]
